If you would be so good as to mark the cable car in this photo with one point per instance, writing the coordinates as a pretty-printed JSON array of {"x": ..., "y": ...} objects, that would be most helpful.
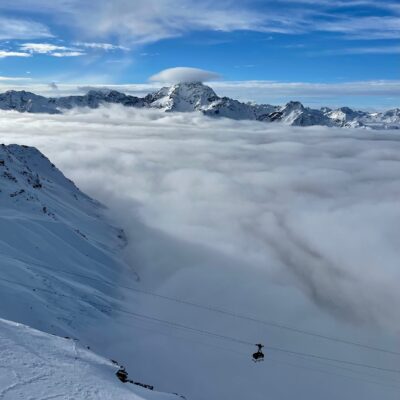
[{"x": 258, "y": 355}]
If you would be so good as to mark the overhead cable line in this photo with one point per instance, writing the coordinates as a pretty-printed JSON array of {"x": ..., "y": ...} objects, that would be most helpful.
[
  {"x": 228, "y": 312},
  {"x": 209, "y": 333}
]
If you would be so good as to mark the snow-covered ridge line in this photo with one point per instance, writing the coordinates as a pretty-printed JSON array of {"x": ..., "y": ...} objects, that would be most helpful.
[
  {"x": 37, "y": 365},
  {"x": 189, "y": 97}
]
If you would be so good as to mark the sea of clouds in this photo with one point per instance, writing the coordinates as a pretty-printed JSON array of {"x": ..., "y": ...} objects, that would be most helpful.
[{"x": 299, "y": 226}]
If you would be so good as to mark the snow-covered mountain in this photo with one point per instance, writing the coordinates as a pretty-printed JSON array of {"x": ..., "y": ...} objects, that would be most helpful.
[
  {"x": 195, "y": 96},
  {"x": 60, "y": 264},
  {"x": 294, "y": 113},
  {"x": 94, "y": 98},
  {"x": 47, "y": 224},
  {"x": 37, "y": 365},
  {"x": 23, "y": 101},
  {"x": 183, "y": 97}
]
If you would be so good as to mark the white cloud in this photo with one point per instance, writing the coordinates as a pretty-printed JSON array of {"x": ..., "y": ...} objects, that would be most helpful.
[
  {"x": 144, "y": 22},
  {"x": 139, "y": 21},
  {"x": 295, "y": 225},
  {"x": 67, "y": 54},
  {"x": 340, "y": 4},
  {"x": 65, "y": 51},
  {"x": 6, "y": 53},
  {"x": 41, "y": 48},
  {"x": 370, "y": 27},
  {"x": 361, "y": 50},
  {"x": 51, "y": 49},
  {"x": 334, "y": 3},
  {"x": 13, "y": 28},
  {"x": 101, "y": 46},
  {"x": 184, "y": 74},
  {"x": 14, "y": 78},
  {"x": 361, "y": 88}
]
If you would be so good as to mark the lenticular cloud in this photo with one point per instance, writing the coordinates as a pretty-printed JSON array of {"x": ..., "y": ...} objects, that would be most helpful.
[
  {"x": 298, "y": 225},
  {"x": 184, "y": 74}
]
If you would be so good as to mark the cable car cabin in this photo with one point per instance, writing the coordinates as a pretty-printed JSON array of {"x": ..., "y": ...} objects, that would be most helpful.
[{"x": 258, "y": 355}]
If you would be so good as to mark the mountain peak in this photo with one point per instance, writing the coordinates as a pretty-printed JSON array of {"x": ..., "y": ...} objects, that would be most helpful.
[
  {"x": 293, "y": 105},
  {"x": 193, "y": 90},
  {"x": 184, "y": 96}
]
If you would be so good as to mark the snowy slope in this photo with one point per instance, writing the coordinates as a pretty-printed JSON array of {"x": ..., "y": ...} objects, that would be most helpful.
[
  {"x": 35, "y": 365},
  {"x": 48, "y": 225},
  {"x": 60, "y": 265},
  {"x": 195, "y": 96}
]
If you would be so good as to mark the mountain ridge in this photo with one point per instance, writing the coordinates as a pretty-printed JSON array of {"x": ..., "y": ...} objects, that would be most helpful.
[{"x": 197, "y": 97}]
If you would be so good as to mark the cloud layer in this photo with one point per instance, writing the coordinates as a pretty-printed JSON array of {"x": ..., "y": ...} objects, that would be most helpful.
[{"x": 294, "y": 225}]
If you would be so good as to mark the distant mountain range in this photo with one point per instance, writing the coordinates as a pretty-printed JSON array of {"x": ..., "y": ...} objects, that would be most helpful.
[{"x": 195, "y": 96}]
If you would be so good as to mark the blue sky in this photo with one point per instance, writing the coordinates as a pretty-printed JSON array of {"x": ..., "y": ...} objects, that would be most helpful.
[{"x": 317, "y": 44}]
